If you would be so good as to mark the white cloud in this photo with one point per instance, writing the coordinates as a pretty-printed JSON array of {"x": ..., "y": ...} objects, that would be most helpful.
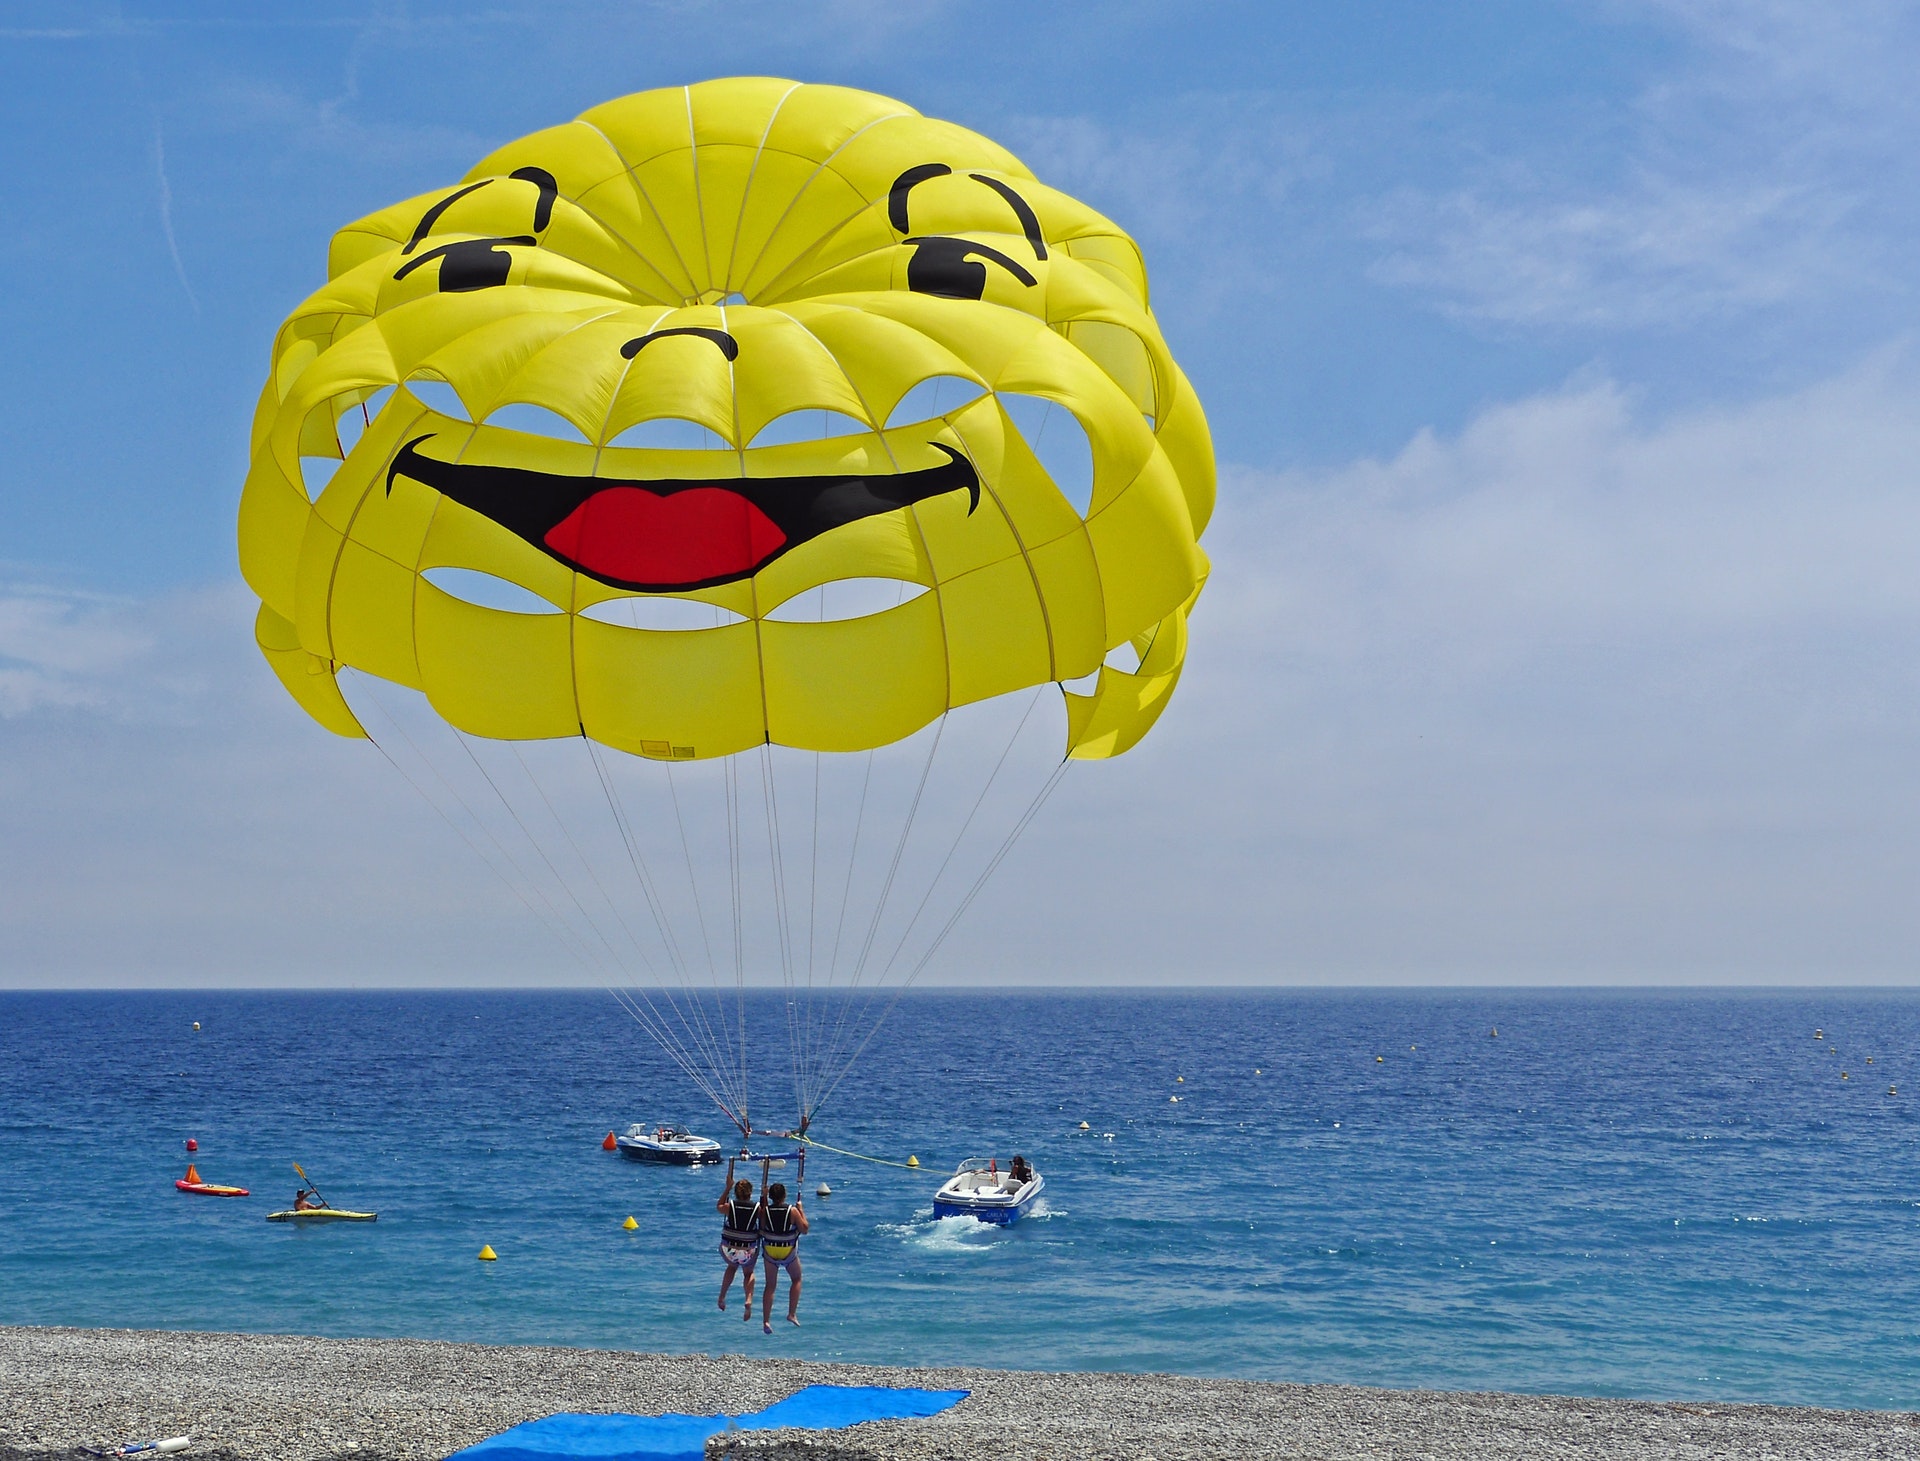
[{"x": 1767, "y": 166}]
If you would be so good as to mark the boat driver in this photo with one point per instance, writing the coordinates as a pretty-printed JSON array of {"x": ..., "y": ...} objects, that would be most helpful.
[
  {"x": 739, "y": 1243},
  {"x": 1019, "y": 1173}
]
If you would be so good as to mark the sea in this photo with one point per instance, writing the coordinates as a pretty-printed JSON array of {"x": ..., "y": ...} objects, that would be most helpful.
[{"x": 1692, "y": 1195}]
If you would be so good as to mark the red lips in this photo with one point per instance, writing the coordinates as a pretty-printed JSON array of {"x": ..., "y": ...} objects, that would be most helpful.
[{"x": 694, "y": 535}]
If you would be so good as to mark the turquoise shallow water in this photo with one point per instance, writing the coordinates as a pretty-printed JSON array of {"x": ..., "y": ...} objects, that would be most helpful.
[{"x": 1661, "y": 1195}]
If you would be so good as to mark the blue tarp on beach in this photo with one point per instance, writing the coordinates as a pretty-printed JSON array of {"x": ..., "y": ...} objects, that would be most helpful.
[{"x": 684, "y": 1437}]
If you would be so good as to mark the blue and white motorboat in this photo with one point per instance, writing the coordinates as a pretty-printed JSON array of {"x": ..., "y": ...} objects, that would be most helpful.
[
  {"x": 674, "y": 1145},
  {"x": 979, "y": 1189}
]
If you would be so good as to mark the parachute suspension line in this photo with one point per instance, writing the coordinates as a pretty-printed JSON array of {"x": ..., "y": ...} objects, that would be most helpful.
[
  {"x": 660, "y": 1038},
  {"x": 846, "y": 892},
  {"x": 554, "y": 920},
  {"x": 834, "y": 1043},
  {"x": 548, "y": 920},
  {"x": 960, "y": 836},
  {"x": 693, "y": 881},
  {"x": 711, "y": 1041},
  {"x": 770, "y": 805},
  {"x": 933, "y": 886},
  {"x": 739, "y": 947},
  {"x": 704, "y": 1037},
  {"x": 551, "y": 919},
  {"x": 803, "y": 1052},
  {"x": 1026, "y": 819},
  {"x": 565, "y": 886}
]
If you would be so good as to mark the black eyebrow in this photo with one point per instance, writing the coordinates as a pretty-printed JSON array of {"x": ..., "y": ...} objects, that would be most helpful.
[
  {"x": 924, "y": 172},
  {"x": 906, "y": 183},
  {"x": 729, "y": 346},
  {"x": 549, "y": 190},
  {"x": 432, "y": 215},
  {"x": 1029, "y": 220}
]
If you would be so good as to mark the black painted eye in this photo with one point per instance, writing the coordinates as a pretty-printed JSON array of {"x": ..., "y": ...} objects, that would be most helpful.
[
  {"x": 947, "y": 266},
  {"x": 478, "y": 263}
]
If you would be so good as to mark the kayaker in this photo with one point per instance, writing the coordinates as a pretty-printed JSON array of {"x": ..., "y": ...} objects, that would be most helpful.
[
  {"x": 780, "y": 1226},
  {"x": 739, "y": 1243},
  {"x": 306, "y": 1201}
]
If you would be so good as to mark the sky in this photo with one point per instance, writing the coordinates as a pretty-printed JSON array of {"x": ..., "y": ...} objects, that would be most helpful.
[{"x": 1564, "y": 624}]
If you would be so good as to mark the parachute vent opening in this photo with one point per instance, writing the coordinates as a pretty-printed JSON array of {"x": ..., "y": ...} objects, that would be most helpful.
[
  {"x": 532, "y": 420},
  {"x": 356, "y": 415},
  {"x": 471, "y": 586},
  {"x": 1054, "y": 435},
  {"x": 934, "y": 397},
  {"x": 812, "y": 425},
  {"x": 1124, "y": 658},
  {"x": 437, "y": 395},
  {"x": 735, "y": 298},
  {"x": 315, "y": 473},
  {"x": 661, "y": 613},
  {"x": 846, "y": 598},
  {"x": 671, "y": 433}
]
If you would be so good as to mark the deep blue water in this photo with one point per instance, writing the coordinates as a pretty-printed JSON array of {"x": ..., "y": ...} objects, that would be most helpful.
[{"x": 1660, "y": 1195}]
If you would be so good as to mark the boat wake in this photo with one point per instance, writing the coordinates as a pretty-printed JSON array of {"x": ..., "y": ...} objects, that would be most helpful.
[{"x": 930, "y": 1234}]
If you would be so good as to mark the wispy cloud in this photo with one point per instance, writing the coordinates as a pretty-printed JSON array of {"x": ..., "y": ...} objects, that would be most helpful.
[
  {"x": 166, "y": 216},
  {"x": 1766, "y": 166}
]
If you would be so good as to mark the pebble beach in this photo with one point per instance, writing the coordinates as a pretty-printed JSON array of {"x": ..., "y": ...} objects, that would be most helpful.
[{"x": 289, "y": 1398}]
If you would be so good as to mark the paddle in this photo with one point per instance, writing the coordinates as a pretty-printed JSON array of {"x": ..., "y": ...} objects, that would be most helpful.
[{"x": 311, "y": 1184}]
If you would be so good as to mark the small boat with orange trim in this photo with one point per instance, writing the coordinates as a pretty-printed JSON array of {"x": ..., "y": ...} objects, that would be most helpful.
[{"x": 192, "y": 1183}]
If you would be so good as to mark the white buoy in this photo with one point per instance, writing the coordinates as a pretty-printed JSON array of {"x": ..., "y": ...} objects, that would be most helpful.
[
  {"x": 823, "y": 1191},
  {"x": 1085, "y": 1127}
]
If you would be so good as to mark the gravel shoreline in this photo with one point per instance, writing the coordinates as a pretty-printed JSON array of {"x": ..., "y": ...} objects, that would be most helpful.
[{"x": 252, "y": 1397}]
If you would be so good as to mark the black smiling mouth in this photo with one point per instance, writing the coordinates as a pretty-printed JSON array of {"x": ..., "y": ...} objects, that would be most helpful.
[{"x": 664, "y": 534}]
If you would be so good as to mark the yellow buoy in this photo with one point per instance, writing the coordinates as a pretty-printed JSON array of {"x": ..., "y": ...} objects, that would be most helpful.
[
  {"x": 1413, "y": 1047},
  {"x": 1379, "y": 1060},
  {"x": 487, "y": 1255},
  {"x": 1179, "y": 1080},
  {"x": 1174, "y": 1099},
  {"x": 1843, "y": 1075},
  {"x": 1494, "y": 1033},
  {"x": 913, "y": 1161},
  {"x": 1256, "y": 1070},
  {"x": 196, "y": 1024},
  {"x": 1085, "y": 1127},
  {"x": 630, "y": 1224}
]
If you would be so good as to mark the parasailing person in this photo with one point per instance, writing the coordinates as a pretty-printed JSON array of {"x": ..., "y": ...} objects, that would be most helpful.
[
  {"x": 739, "y": 1240},
  {"x": 780, "y": 1225}
]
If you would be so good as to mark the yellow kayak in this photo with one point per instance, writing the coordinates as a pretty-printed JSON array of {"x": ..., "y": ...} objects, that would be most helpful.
[{"x": 322, "y": 1215}]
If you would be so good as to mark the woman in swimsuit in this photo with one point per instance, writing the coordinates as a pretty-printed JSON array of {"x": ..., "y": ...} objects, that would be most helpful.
[
  {"x": 780, "y": 1227},
  {"x": 739, "y": 1243}
]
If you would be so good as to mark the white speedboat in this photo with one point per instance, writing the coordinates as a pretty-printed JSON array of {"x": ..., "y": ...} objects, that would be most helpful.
[
  {"x": 674, "y": 1145},
  {"x": 979, "y": 1189}
]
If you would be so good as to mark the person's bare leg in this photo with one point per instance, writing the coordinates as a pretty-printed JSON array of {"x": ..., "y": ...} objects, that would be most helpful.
[
  {"x": 727, "y": 1283},
  {"x": 746, "y": 1285},
  {"x": 793, "y": 1290},
  {"x": 766, "y": 1301}
]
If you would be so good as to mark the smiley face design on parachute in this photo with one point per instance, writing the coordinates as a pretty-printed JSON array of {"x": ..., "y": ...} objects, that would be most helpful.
[{"x": 731, "y": 255}]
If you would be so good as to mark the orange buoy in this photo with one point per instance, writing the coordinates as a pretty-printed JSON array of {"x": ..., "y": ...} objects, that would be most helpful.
[
  {"x": 193, "y": 1174},
  {"x": 609, "y": 1144}
]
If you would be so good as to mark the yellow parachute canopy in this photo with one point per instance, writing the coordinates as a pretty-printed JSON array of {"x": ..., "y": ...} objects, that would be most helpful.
[{"x": 487, "y": 391}]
